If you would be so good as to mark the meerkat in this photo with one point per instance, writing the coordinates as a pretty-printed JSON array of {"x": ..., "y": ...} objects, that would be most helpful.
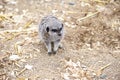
[{"x": 51, "y": 32}]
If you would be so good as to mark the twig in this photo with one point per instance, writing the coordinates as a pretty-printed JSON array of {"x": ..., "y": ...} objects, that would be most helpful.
[
  {"x": 28, "y": 23},
  {"x": 99, "y": 72},
  {"x": 100, "y": 1},
  {"x": 24, "y": 69},
  {"x": 27, "y": 67},
  {"x": 18, "y": 31},
  {"x": 102, "y": 68},
  {"x": 87, "y": 16},
  {"x": 5, "y": 17}
]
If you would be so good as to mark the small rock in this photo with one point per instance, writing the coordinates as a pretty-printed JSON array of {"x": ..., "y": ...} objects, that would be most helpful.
[
  {"x": 71, "y": 3},
  {"x": 103, "y": 76}
]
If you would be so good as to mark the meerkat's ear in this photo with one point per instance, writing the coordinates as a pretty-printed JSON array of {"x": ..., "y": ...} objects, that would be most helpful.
[
  {"x": 62, "y": 25},
  {"x": 47, "y": 29}
]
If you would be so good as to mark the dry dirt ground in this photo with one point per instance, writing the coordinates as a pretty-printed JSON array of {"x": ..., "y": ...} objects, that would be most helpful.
[{"x": 91, "y": 44}]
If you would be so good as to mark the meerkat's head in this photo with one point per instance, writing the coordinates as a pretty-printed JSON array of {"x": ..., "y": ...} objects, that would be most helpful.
[{"x": 55, "y": 28}]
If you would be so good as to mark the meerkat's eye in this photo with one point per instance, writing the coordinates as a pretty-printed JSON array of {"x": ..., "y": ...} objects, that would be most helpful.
[
  {"x": 47, "y": 29},
  {"x": 54, "y": 30},
  {"x": 62, "y": 25}
]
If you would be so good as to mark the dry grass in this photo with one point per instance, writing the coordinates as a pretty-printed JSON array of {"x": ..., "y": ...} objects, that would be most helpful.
[{"x": 93, "y": 24}]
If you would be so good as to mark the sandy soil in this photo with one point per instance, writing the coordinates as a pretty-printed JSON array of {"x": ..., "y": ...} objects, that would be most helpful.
[{"x": 92, "y": 37}]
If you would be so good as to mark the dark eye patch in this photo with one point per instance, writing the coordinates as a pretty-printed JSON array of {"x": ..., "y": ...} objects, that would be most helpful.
[
  {"x": 57, "y": 30},
  {"x": 47, "y": 29},
  {"x": 54, "y": 30}
]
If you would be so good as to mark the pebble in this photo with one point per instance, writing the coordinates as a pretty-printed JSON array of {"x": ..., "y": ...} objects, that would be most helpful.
[
  {"x": 103, "y": 76},
  {"x": 71, "y": 3}
]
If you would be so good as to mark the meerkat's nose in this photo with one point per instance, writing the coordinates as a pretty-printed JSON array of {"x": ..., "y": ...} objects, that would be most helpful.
[{"x": 59, "y": 34}]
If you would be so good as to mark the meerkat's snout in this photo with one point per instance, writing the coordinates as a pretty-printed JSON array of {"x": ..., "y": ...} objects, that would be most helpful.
[
  {"x": 52, "y": 32},
  {"x": 59, "y": 34}
]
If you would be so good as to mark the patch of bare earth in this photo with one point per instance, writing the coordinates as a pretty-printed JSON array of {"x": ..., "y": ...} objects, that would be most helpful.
[{"x": 91, "y": 44}]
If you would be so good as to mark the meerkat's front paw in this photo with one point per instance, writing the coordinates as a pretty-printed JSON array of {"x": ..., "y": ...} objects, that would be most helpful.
[
  {"x": 49, "y": 53},
  {"x": 60, "y": 46}
]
